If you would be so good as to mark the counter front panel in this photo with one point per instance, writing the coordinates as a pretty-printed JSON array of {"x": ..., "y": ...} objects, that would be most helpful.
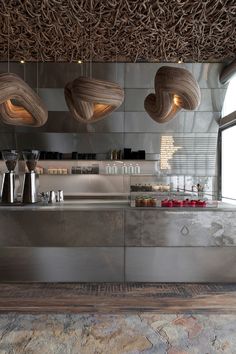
[
  {"x": 145, "y": 228},
  {"x": 93, "y": 244}
]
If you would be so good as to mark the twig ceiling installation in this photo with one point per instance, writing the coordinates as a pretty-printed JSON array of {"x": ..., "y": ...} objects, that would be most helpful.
[
  {"x": 175, "y": 89},
  {"x": 90, "y": 100},
  {"x": 28, "y": 111},
  {"x": 147, "y": 30}
]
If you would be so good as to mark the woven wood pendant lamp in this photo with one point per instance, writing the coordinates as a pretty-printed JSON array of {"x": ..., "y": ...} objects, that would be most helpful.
[
  {"x": 90, "y": 100},
  {"x": 19, "y": 104},
  {"x": 29, "y": 110},
  {"x": 175, "y": 89}
]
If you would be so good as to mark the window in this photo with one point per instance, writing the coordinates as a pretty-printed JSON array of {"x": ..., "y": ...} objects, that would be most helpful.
[
  {"x": 228, "y": 165},
  {"x": 229, "y": 105}
]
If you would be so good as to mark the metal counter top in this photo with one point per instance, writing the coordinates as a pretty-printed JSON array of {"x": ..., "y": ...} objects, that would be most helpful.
[{"x": 94, "y": 204}]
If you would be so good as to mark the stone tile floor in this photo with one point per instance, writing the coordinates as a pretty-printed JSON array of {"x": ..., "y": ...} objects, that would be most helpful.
[{"x": 115, "y": 334}]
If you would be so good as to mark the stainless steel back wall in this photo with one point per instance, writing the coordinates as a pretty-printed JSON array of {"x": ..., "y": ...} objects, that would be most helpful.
[{"x": 129, "y": 126}]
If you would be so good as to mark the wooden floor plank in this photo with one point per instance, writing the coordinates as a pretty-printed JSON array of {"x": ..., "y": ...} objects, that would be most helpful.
[{"x": 117, "y": 297}]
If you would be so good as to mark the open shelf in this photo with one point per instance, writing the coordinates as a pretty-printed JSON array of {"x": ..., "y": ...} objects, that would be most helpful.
[{"x": 98, "y": 174}]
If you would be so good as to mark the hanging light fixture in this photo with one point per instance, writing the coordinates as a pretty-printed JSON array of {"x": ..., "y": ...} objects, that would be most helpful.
[
  {"x": 175, "y": 89},
  {"x": 19, "y": 104},
  {"x": 90, "y": 100}
]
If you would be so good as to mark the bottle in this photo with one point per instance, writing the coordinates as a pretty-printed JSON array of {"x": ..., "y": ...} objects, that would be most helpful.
[
  {"x": 52, "y": 197},
  {"x": 124, "y": 169},
  {"x": 131, "y": 169},
  {"x": 111, "y": 155},
  {"x": 114, "y": 170},
  {"x": 60, "y": 196},
  {"x": 114, "y": 155},
  {"x": 119, "y": 155},
  {"x": 137, "y": 169},
  {"x": 108, "y": 169}
]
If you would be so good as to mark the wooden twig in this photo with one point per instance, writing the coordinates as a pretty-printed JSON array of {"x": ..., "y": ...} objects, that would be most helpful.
[{"x": 146, "y": 30}]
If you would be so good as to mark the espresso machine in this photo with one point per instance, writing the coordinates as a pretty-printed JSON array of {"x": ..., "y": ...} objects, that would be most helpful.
[
  {"x": 8, "y": 191},
  {"x": 30, "y": 186}
]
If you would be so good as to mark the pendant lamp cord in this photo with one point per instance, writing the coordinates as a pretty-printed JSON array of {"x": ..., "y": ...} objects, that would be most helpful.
[
  {"x": 8, "y": 44},
  {"x": 91, "y": 48},
  {"x": 24, "y": 71},
  {"x": 90, "y": 36},
  {"x": 116, "y": 58},
  {"x": 37, "y": 70},
  {"x": 82, "y": 53}
]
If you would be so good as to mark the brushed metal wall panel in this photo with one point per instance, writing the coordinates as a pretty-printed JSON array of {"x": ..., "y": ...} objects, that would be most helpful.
[
  {"x": 56, "y": 75},
  {"x": 75, "y": 184},
  {"x": 54, "y": 99},
  {"x": 207, "y": 74},
  {"x": 16, "y": 68},
  {"x": 172, "y": 264},
  {"x": 180, "y": 228},
  {"x": 135, "y": 75},
  {"x": 63, "y": 122},
  {"x": 7, "y": 140},
  {"x": 5, "y": 128},
  {"x": 134, "y": 99},
  {"x": 184, "y": 122},
  {"x": 63, "y": 264},
  {"x": 143, "y": 141},
  {"x": 107, "y": 184},
  {"x": 212, "y": 100},
  {"x": 68, "y": 142},
  {"x": 202, "y": 122},
  {"x": 111, "y": 72}
]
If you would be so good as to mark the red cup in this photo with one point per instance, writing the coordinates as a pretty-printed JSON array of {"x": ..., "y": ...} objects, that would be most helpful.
[
  {"x": 200, "y": 203},
  {"x": 177, "y": 203},
  {"x": 167, "y": 203}
]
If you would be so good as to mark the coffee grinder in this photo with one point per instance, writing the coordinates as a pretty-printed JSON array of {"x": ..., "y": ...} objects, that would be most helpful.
[
  {"x": 8, "y": 191},
  {"x": 30, "y": 193}
]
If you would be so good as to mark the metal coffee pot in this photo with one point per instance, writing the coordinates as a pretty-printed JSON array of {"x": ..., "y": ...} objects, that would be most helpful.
[
  {"x": 30, "y": 193},
  {"x": 52, "y": 197}
]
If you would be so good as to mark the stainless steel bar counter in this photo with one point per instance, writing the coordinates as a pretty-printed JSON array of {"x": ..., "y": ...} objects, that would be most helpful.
[{"x": 107, "y": 242}]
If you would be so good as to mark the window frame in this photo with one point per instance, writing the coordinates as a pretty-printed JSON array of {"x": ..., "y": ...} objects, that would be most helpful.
[{"x": 227, "y": 122}]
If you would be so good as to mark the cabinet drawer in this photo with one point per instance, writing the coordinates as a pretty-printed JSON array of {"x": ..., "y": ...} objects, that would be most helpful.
[
  {"x": 180, "y": 264},
  {"x": 62, "y": 264}
]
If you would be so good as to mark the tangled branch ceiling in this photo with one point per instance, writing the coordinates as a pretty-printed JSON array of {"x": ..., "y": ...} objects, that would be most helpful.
[{"x": 123, "y": 30}]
